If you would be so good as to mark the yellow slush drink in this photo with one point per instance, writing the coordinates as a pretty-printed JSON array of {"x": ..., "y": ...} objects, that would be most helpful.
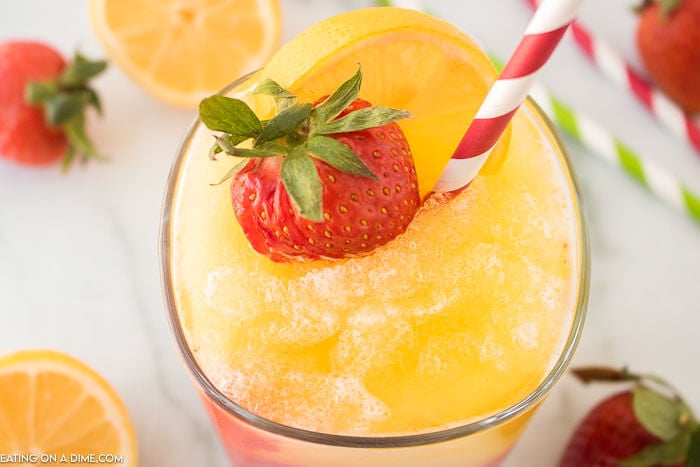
[{"x": 457, "y": 320}]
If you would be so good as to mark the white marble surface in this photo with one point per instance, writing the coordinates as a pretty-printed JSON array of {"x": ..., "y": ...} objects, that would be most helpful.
[{"x": 78, "y": 257}]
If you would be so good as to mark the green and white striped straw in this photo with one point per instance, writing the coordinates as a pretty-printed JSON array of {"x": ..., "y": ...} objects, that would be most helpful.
[{"x": 602, "y": 143}]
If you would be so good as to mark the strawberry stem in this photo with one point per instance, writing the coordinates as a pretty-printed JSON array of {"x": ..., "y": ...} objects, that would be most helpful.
[
  {"x": 667, "y": 7},
  {"x": 603, "y": 374},
  {"x": 592, "y": 374}
]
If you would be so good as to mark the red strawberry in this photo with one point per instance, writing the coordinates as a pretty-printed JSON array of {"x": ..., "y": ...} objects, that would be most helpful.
[
  {"x": 42, "y": 100},
  {"x": 25, "y": 138},
  {"x": 20, "y": 63},
  {"x": 668, "y": 39},
  {"x": 642, "y": 426},
  {"x": 609, "y": 433},
  {"x": 336, "y": 179}
]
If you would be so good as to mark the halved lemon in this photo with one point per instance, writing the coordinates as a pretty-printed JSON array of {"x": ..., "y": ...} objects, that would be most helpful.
[
  {"x": 181, "y": 51},
  {"x": 410, "y": 60},
  {"x": 56, "y": 410}
]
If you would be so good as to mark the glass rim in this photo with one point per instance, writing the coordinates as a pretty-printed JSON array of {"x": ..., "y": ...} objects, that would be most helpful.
[{"x": 205, "y": 386}]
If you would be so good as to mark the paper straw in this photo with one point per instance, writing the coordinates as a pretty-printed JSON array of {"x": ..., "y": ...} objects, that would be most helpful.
[
  {"x": 543, "y": 34},
  {"x": 603, "y": 144},
  {"x": 614, "y": 66},
  {"x": 606, "y": 146}
]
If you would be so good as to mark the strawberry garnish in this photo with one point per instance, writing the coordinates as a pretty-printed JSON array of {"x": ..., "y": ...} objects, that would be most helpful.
[
  {"x": 648, "y": 424},
  {"x": 43, "y": 102},
  {"x": 326, "y": 180}
]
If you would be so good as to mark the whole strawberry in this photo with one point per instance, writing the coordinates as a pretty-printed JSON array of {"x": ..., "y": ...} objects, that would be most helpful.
[
  {"x": 327, "y": 180},
  {"x": 42, "y": 103},
  {"x": 668, "y": 39},
  {"x": 647, "y": 425}
]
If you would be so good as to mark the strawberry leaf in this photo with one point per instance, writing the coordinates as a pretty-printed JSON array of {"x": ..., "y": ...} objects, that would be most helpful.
[
  {"x": 278, "y": 147},
  {"x": 303, "y": 184},
  {"x": 68, "y": 158},
  {"x": 271, "y": 88},
  {"x": 78, "y": 142},
  {"x": 362, "y": 119},
  {"x": 284, "y": 123},
  {"x": 338, "y": 156},
  {"x": 61, "y": 108},
  {"x": 233, "y": 116},
  {"x": 339, "y": 100},
  {"x": 692, "y": 458},
  {"x": 75, "y": 130},
  {"x": 224, "y": 141},
  {"x": 80, "y": 71},
  {"x": 244, "y": 152},
  {"x": 283, "y": 98},
  {"x": 90, "y": 97},
  {"x": 238, "y": 166},
  {"x": 664, "y": 453},
  {"x": 228, "y": 140},
  {"x": 231, "y": 150},
  {"x": 659, "y": 414}
]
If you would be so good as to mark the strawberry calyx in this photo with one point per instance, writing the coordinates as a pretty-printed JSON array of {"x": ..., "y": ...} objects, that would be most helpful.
[
  {"x": 666, "y": 7},
  {"x": 661, "y": 410},
  {"x": 299, "y": 133},
  {"x": 64, "y": 100}
]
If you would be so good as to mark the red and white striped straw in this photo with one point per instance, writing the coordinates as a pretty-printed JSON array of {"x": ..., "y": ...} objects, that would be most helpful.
[
  {"x": 615, "y": 67},
  {"x": 543, "y": 34}
]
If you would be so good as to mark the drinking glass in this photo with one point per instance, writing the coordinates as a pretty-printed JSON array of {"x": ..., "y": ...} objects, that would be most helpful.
[{"x": 252, "y": 440}]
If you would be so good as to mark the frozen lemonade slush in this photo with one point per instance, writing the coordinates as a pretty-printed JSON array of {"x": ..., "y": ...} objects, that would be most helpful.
[{"x": 460, "y": 316}]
